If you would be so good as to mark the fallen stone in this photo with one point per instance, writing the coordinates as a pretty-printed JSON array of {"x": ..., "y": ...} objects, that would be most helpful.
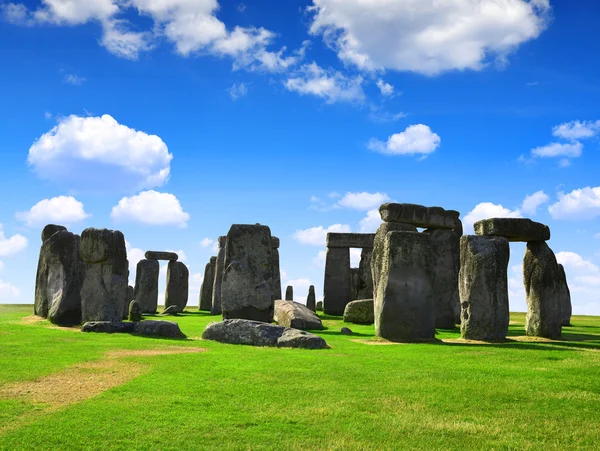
[
  {"x": 146, "y": 285},
  {"x": 135, "y": 312},
  {"x": 289, "y": 293},
  {"x": 153, "y": 328},
  {"x": 311, "y": 298},
  {"x": 360, "y": 312},
  {"x": 320, "y": 306},
  {"x": 177, "y": 291},
  {"x": 256, "y": 333},
  {"x": 346, "y": 331},
  {"x": 566, "y": 308},
  {"x": 206, "y": 289},
  {"x": 297, "y": 316},
  {"x": 107, "y": 327},
  {"x": 420, "y": 216},
  {"x": 172, "y": 310},
  {"x": 219, "y": 269},
  {"x": 513, "y": 229},
  {"x": 159, "y": 255}
]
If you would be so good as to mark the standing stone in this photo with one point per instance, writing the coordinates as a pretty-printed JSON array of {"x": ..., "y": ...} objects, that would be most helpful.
[
  {"x": 365, "y": 277},
  {"x": 219, "y": 269},
  {"x": 130, "y": 294},
  {"x": 543, "y": 288},
  {"x": 246, "y": 290},
  {"x": 565, "y": 298},
  {"x": 135, "y": 312},
  {"x": 289, "y": 293},
  {"x": 404, "y": 304},
  {"x": 311, "y": 299},
  {"x": 337, "y": 287},
  {"x": 40, "y": 306},
  {"x": 354, "y": 283},
  {"x": 483, "y": 287},
  {"x": 276, "y": 269},
  {"x": 104, "y": 290},
  {"x": 177, "y": 285},
  {"x": 146, "y": 285},
  {"x": 206, "y": 290},
  {"x": 320, "y": 306}
]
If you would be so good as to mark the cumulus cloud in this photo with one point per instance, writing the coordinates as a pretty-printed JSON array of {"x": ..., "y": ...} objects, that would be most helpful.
[
  {"x": 58, "y": 210},
  {"x": 134, "y": 255},
  {"x": 579, "y": 204},
  {"x": 8, "y": 292},
  {"x": 568, "y": 150},
  {"x": 487, "y": 210},
  {"x": 415, "y": 140},
  {"x": 319, "y": 260},
  {"x": 330, "y": 85},
  {"x": 151, "y": 207},
  {"x": 583, "y": 277},
  {"x": 427, "y": 36},
  {"x": 386, "y": 89},
  {"x": 371, "y": 222},
  {"x": 12, "y": 245},
  {"x": 96, "y": 152},
  {"x": 363, "y": 201},
  {"x": 238, "y": 90},
  {"x": 210, "y": 243},
  {"x": 533, "y": 201},
  {"x": 577, "y": 129},
  {"x": 317, "y": 236},
  {"x": 355, "y": 257}
]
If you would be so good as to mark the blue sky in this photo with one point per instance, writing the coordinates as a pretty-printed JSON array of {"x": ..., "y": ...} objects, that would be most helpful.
[{"x": 172, "y": 119}]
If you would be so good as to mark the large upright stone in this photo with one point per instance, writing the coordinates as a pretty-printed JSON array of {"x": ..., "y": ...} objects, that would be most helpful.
[
  {"x": 289, "y": 293},
  {"x": 146, "y": 285},
  {"x": 565, "y": 298},
  {"x": 246, "y": 290},
  {"x": 513, "y": 229},
  {"x": 543, "y": 289},
  {"x": 160, "y": 255},
  {"x": 404, "y": 304},
  {"x": 177, "y": 291},
  {"x": 219, "y": 269},
  {"x": 365, "y": 277},
  {"x": 420, "y": 216},
  {"x": 354, "y": 283},
  {"x": 104, "y": 290},
  {"x": 311, "y": 299},
  {"x": 445, "y": 266},
  {"x": 337, "y": 286},
  {"x": 206, "y": 290},
  {"x": 483, "y": 287},
  {"x": 276, "y": 268}
]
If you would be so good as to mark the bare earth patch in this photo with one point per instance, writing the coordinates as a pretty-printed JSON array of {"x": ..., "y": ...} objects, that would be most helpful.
[
  {"x": 32, "y": 319},
  {"x": 152, "y": 352}
]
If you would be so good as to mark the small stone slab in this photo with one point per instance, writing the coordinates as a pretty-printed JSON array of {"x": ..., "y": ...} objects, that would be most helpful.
[
  {"x": 135, "y": 312},
  {"x": 513, "y": 229},
  {"x": 420, "y": 216},
  {"x": 346, "y": 331},
  {"x": 107, "y": 327},
  {"x": 354, "y": 240},
  {"x": 159, "y": 255},
  {"x": 154, "y": 328},
  {"x": 295, "y": 315},
  {"x": 172, "y": 310},
  {"x": 360, "y": 312}
]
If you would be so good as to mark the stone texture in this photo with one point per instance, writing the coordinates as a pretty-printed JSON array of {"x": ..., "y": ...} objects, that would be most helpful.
[
  {"x": 146, "y": 285},
  {"x": 107, "y": 327},
  {"x": 295, "y": 315},
  {"x": 543, "y": 289},
  {"x": 154, "y": 328},
  {"x": 360, "y": 312},
  {"x": 513, "y": 229},
  {"x": 483, "y": 287},
  {"x": 135, "y": 312},
  {"x": 256, "y": 333},
  {"x": 177, "y": 291},
  {"x": 206, "y": 290},
  {"x": 445, "y": 266},
  {"x": 354, "y": 283},
  {"x": 420, "y": 216},
  {"x": 289, "y": 293},
  {"x": 364, "y": 289},
  {"x": 160, "y": 255},
  {"x": 219, "y": 269},
  {"x": 173, "y": 310},
  {"x": 346, "y": 331},
  {"x": 246, "y": 290},
  {"x": 337, "y": 286},
  {"x": 320, "y": 306},
  {"x": 276, "y": 294},
  {"x": 130, "y": 294},
  {"x": 354, "y": 240},
  {"x": 50, "y": 230},
  {"x": 311, "y": 299},
  {"x": 404, "y": 305},
  {"x": 565, "y": 298}
]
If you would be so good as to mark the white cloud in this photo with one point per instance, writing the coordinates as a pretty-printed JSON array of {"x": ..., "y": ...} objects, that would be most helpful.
[
  {"x": 12, "y": 245},
  {"x": 73, "y": 79},
  {"x": 577, "y": 129},
  {"x": 427, "y": 36},
  {"x": 533, "y": 201},
  {"x": 8, "y": 293},
  {"x": 88, "y": 152},
  {"x": 581, "y": 203},
  {"x": 319, "y": 261},
  {"x": 195, "y": 284},
  {"x": 487, "y": 210},
  {"x": 316, "y": 236},
  {"x": 1, "y": 266},
  {"x": 385, "y": 88},
  {"x": 355, "y": 257},
  {"x": 120, "y": 41},
  {"x": 371, "y": 222},
  {"x": 569, "y": 150},
  {"x": 151, "y": 207},
  {"x": 416, "y": 139},
  {"x": 363, "y": 201},
  {"x": 134, "y": 255},
  {"x": 583, "y": 278},
  {"x": 62, "y": 210},
  {"x": 238, "y": 90},
  {"x": 300, "y": 289},
  {"x": 330, "y": 85},
  {"x": 210, "y": 243},
  {"x": 379, "y": 115}
]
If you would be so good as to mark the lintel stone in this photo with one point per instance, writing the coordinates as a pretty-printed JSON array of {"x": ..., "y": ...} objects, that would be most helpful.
[
  {"x": 513, "y": 229},
  {"x": 355, "y": 240},
  {"x": 158, "y": 255},
  {"x": 420, "y": 216}
]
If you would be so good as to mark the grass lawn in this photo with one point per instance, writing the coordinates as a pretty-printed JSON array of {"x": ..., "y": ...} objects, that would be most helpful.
[{"x": 63, "y": 389}]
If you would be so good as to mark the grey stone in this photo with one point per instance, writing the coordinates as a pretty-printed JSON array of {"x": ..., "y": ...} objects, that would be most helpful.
[
  {"x": 354, "y": 240},
  {"x": 130, "y": 294},
  {"x": 154, "y": 328},
  {"x": 320, "y": 306},
  {"x": 483, "y": 287},
  {"x": 173, "y": 310},
  {"x": 206, "y": 290},
  {"x": 513, "y": 229},
  {"x": 276, "y": 294},
  {"x": 365, "y": 281},
  {"x": 50, "y": 230},
  {"x": 543, "y": 289},
  {"x": 420, "y": 216},
  {"x": 354, "y": 282},
  {"x": 360, "y": 312},
  {"x": 177, "y": 291},
  {"x": 135, "y": 312},
  {"x": 146, "y": 285},
  {"x": 565, "y": 298},
  {"x": 295, "y": 315},
  {"x": 246, "y": 290},
  {"x": 337, "y": 286},
  {"x": 275, "y": 243},
  {"x": 219, "y": 269},
  {"x": 311, "y": 299},
  {"x": 404, "y": 304},
  {"x": 160, "y": 255},
  {"x": 289, "y": 293},
  {"x": 256, "y": 333},
  {"x": 107, "y": 327},
  {"x": 346, "y": 331}
]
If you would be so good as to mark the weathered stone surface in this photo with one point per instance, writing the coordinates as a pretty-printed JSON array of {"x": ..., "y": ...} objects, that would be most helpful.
[
  {"x": 206, "y": 290},
  {"x": 295, "y": 315},
  {"x": 153, "y": 328},
  {"x": 320, "y": 306},
  {"x": 420, "y": 216},
  {"x": 360, "y": 312},
  {"x": 404, "y": 304},
  {"x": 104, "y": 246},
  {"x": 365, "y": 276},
  {"x": 483, "y": 287},
  {"x": 565, "y": 298},
  {"x": 146, "y": 285},
  {"x": 219, "y": 269},
  {"x": 276, "y": 294},
  {"x": 160, "y": 255},
  {"x": 130, "y": 294},
  {"x": 177, "y": 291},
  {"x": 275, "y": 242},
  {"x": 354, "y": 240},
  {"x": 311, "y": 299},
  {"x": 173, "y": 310},
  {"x": 445, "y": 266},
  {"x": 513, "y": 229},
  {"x": 289, "y": 293},
  {"x": 337, "y": 286},
  {"x": 135, "y": 312},
  {"x": 354, "y": 283},
  {"x": 256, "y": 333},
  {"x": 107, "y": 327},
  {"x": 246, "y": 290},
  {"x": 346, "y": 331},
  {"x": 50, "y": 230},
  {"x": 543, "y": 289}
]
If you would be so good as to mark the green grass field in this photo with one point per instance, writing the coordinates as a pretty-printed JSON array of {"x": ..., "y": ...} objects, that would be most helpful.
[{"x": 63, "y": 389}]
